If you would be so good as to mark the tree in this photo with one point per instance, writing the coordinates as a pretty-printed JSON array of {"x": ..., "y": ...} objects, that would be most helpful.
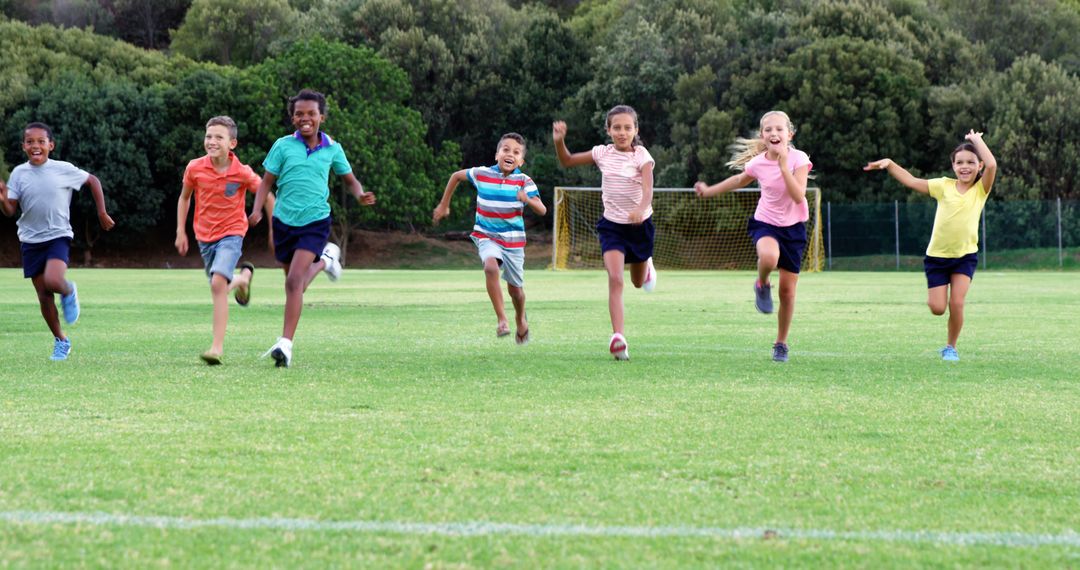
[{"x": 233, "y": 32}]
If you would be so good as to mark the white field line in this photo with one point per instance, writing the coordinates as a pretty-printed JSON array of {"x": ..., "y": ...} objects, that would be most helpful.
[{"x": 1011, "y": 539}]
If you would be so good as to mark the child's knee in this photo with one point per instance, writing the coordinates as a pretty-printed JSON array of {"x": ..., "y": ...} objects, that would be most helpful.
[
  {"x": 491, "y": 268},
  {"x": 218, "y": 284},
  {"x": 936, "y": 308},
  {"x": 294, "y": 283}
]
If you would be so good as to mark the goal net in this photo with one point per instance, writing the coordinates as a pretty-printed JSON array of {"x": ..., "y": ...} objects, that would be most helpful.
[{"x": 691, "y": 233}]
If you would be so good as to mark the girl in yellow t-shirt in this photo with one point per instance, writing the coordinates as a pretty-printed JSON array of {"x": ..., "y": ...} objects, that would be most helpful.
[{"x": 952, "y": 256}]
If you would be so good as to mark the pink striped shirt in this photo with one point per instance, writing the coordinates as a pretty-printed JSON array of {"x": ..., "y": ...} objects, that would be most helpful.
[{"x": 622, "y": 181}]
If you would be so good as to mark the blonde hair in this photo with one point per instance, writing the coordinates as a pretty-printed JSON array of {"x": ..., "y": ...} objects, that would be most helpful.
[{"x": 742, "y": 150}]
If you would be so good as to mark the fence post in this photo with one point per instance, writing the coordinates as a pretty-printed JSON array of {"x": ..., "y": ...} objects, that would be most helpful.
[
  {"x": 985, "y": 251},
  {"x": 1061, "y": 252},
  {"x": 828, "y": 229},
  {"x": 896, "y": 224}
]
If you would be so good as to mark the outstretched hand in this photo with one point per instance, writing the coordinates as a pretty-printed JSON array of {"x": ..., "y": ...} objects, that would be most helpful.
[
  {"x": 700, "y": 188},
  {"x": 973, "y": 135},
  {"x": 882, "y": 164},
  {"x": 558, "y": 131}
]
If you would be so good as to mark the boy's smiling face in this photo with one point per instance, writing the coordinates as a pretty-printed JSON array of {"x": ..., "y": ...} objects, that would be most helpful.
[
  {"x": 510, "y": 155},
  {"x": 218, "y": 142},
  {"x": 306, "y": 118},
  {"x": 37, "y": 146}
]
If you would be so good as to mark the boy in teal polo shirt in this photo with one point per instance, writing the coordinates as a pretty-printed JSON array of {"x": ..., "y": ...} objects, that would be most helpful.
[{"x": 300, "y": 165}]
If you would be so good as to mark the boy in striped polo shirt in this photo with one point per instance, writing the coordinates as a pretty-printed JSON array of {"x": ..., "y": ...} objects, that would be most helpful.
[{"x": 499, "y": 231}]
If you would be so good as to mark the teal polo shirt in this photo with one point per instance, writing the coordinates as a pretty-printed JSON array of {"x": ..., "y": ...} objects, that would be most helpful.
[{"x": 302, "y": 176}]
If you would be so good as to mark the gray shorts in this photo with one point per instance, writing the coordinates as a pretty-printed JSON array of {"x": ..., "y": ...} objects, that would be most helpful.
[
  {"x": 511, "y": 260},
  {"x": 221, "y": 256}
]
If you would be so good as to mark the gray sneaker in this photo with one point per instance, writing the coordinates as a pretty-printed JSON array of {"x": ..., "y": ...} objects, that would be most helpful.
[
  {"x": 779, "y": 352},
  {"x": 763, "y": 298}
]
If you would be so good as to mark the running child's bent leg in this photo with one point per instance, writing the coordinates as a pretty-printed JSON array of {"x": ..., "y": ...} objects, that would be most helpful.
[
  {"x": 48, "y": 306},
  {"x": 937, "y": 299},
  {"x": 768, "y": 252},
  {"x": 638, "y": 272}
]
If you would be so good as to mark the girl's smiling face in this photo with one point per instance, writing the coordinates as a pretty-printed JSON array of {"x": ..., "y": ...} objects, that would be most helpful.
[
  {"x": 622, "y": 129},
  {"x": 775, "y": 131},
  {"x": 966, "y": 165}
]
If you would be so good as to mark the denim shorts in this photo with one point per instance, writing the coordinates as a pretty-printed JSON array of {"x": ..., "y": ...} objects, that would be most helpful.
[
  {"x": 36, "y": 255},
  {"x": 634, "y": 240},
  {"x": 511, "y": 259},
  {"x": 792, "y": 240},
  {"x": 939, "y": 270},
  {"x": 309, "y": 237},
  {"x": 221, "y": 256}
]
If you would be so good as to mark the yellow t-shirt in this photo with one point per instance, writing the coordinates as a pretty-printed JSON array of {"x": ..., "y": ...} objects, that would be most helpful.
[{"x": 956, "y": 223}]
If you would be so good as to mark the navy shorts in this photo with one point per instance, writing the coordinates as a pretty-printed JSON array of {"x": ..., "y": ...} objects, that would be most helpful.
[
  {"x": 35, "y": 255},
  {"x": 635, "y": 241},
  {"x": 792, "y": 240},
  {"x": 939, "y": 270},
  {"x": 311, "y": 237}
]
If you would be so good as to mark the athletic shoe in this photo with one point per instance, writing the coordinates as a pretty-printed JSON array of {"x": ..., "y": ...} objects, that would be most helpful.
[
  {"x": 70, "y": 305},
  {"x": 650, "y": 277},
  {"x": 331, "y": 254},
  {"x": 618, "y": 347},
  {"x": 61, "y": 349},
  {"x": 779, "y": 352},
  {"x": 281, "y": 352},
  {"x": 763, "y": 298},
  {"x": 949, "y": 354}
]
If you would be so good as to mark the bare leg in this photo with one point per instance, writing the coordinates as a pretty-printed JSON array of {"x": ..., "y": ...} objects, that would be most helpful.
[
  {"x": 614, "y": 263},
  {"x": 219, "y": 291},
  {"x": 517, "y": 296},
  {"x": 638, "y": 271},
  {"x": 48, "y": 304},
  {"x": 768, "y": 252},
  {"x": 494, "y": 290},
  {"x": 937, "y": 299},
  {"x": 788, "y": 282},
  {"x": 298, "y": 275},
  {"x": 958, "y": 292}
]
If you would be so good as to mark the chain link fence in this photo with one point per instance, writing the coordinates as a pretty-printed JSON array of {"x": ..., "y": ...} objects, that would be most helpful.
[{"x": 1036, "y": 234}]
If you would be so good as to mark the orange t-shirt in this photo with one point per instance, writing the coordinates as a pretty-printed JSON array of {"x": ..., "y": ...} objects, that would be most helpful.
[{"x": 219, "y": 198}]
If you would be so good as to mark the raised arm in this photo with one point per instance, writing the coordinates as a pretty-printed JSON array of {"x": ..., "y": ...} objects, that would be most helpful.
[
  {"x": 106, "y": 222},
  {"x": 730, "y": 183},
  {"x": 443, "y": 209},
  {"x": 566, "y": 158},
  {"x": 7, "y": 205},
  {"x": 183, "y": 204},
  {"x": 987, "y": 157},
  {"x": 902, "y": 176},
  {"x": 357, "y": 189},
  {"x": 268, "y": 181}
]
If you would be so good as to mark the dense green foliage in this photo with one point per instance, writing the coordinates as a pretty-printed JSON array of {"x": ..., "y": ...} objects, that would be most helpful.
[{"x": 861, "y": 79}]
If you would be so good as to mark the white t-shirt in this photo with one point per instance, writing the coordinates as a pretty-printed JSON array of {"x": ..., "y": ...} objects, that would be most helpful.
[{"x": 44, "y": 194}]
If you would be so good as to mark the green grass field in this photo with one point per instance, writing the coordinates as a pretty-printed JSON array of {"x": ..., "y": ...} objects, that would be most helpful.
[{"x": 402, "y": 410}]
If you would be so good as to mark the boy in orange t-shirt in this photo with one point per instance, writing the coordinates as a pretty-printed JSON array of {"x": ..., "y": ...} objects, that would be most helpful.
[{"x": 219, "y": 182}]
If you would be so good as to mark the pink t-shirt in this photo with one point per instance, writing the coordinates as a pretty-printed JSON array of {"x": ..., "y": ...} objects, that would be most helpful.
[
  {"x": 775, "y": 205},
  {"x": 621, "y": 181}
]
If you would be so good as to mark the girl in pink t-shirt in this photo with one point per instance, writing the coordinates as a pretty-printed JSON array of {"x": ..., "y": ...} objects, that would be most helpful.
[
  {"x": 778, "y": 225},
  {"x": 626, "y": 229}
]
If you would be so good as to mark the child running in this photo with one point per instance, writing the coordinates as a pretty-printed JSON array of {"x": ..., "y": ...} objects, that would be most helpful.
[
  {"x": 499, "y": 231},
  {"x": 626, "y": 228},
  {"x": 778, "y": 226},
  {"x": 952, "y": 254},
  {"x": 299, "y": 164},
  {"x": 43, "y": 189},
  {"x": 219, "y": 182}
]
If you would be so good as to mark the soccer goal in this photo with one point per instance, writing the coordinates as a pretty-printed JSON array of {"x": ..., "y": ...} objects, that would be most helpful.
[{"x": 691, "y": 233}]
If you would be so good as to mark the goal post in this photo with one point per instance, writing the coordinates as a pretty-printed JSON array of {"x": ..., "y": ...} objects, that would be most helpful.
[{"x": 691, "y": 233}]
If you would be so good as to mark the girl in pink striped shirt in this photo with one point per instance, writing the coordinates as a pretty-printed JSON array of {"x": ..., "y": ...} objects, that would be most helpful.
[
  {"x": 626, "y": 229},
  {"x": 778, "y": 225}
]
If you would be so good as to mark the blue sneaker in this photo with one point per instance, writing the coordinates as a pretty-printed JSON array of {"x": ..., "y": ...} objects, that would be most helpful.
[
  {"x": 779, "y": 352},
  {"x": 70, "y": 305},
  {"x": 61, "y": 349},
  {"x": 949, "y": 354},
  {"x": 763, "y": 298}
]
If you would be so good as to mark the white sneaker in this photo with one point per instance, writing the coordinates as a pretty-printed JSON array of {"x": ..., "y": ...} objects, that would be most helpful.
[
  {"x": 650, "y": 277},
  {"x": 618, "y": 347},
  {"x": 281, "y": 352},
  {"x": 331, "y": 254}
]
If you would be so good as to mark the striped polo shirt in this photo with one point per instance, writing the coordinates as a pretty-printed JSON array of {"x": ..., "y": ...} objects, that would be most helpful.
[
  {"x": 498, "y": 210},
  {"x": 622, "y": 181}
]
